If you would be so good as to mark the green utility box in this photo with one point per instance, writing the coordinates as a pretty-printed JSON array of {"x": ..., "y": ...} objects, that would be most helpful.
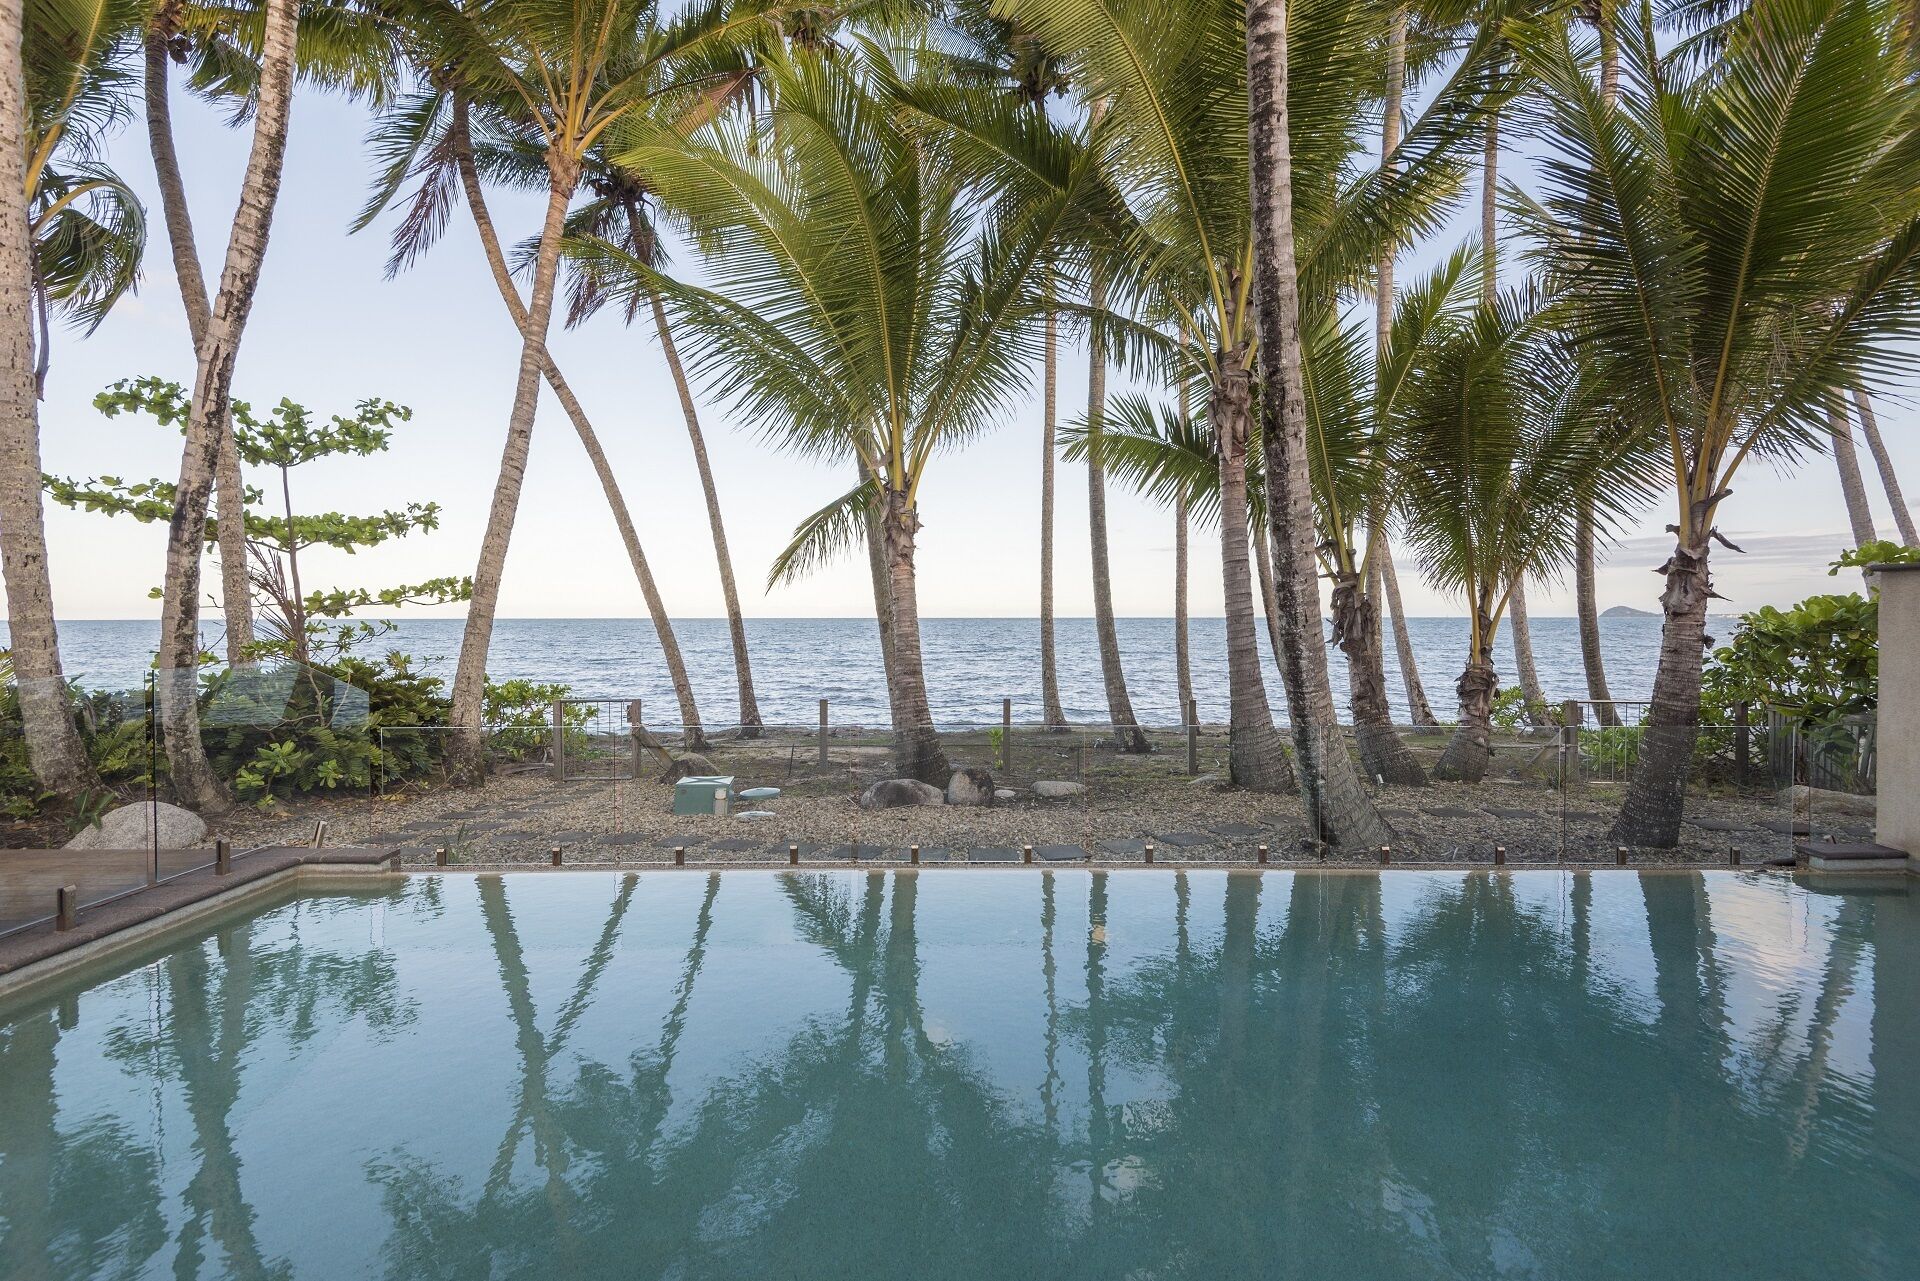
[{"x": 703, "y": 794}]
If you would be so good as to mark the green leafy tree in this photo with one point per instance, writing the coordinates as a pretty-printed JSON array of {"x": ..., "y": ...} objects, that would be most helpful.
[{"x": 297, "y": 622}]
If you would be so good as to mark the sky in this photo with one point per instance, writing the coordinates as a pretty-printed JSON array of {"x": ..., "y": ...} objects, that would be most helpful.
[{"x": 328, "y": 329}]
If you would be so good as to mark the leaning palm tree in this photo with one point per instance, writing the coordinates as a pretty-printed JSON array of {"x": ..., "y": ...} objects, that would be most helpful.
[
  {"x": 1496, "y": 448},
  {"x": 567, "y": 72},
  {"x": 1883, "y": 462},
  {"x": 444, "y": 144},
  {"x": 217, "y": 352},
  {"x": 1739, "y": 252},
  {"x": 342, "y": 45},
  {"x": 996, "y": 54},
  {"x": 857, "y": 310}
]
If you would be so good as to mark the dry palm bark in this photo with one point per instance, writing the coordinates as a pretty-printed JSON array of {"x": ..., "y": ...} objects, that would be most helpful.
[
  {"x": 217, "y": 351},
  {"x": 1369, "y": 686},
  {"x": 750, "y": 724},
  {"x": 470, "y": 676},
  {"x": 695, "y": 737},
  {"x": 236, "y": 591},
  {"x": 58, "y": 758},
  {"x": 1051, "y": 710},
  {"x": 1255, "y": 757},
  {"x": 1853, "y": 486},
  {"x": 1119, "y": 707},
  {"x": 1870, "y": 429},
  {"x": 1338, "y": 808}
]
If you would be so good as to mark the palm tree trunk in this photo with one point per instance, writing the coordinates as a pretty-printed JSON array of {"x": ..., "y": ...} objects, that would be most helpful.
[
  {"x": 1585, "y": 593},
  {"x": 1356, "y": 630},
  {"x": 236, "y": 592},
  {"x": 1182, "y": 646},
  {"x": 693, "y": 736},
  {"x": 1530, "y": 691},
  {"x": 470, "y": 676},
  {"x": 1419, "y": 710},
  {"x": 1338, "y": 808},
  {"x": 1256, "y": 758},
  {"x": 1587, "y": 605},
  {"x": 54, "y": 750},
  {"x": 1466, "y": 755},
  {"x": 736, "y": 624},
  {"x": 1269, "y": 601},
  {"x": 917, "y": 748},
  {"x": 1126, "y": 731},
  {"x": 882, "y": 602},
  {"x": 1870, "y": 428},
  {"x": 1051, "y": 712},
  {"x": 1381, "y": 579},
  {"x": 1853, "y": 486},
  {"x": 179, "y": 659},
  {"x": 1657, "y": 792}
]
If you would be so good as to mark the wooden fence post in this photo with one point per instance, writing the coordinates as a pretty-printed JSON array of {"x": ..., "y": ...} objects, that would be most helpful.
[
  {"x": 823, "y": 733},
  {"x": 1006, "y": 736},
  {"x": 560, "y": 740}
]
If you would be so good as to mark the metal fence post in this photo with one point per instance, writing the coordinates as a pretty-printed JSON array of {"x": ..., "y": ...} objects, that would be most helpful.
[
  {"x": 560, "y": 740},
  {"x": 1742, "y": 749},
  {"x": 823, "y": 733},
  {"x": 1193, "y": 736}
]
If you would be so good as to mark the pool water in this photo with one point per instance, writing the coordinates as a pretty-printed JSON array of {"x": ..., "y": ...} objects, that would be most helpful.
[{"x": 1019, "y": 1074}]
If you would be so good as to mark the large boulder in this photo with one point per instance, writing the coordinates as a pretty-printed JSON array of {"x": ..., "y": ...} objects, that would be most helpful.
[
  {"x": 970, "y": 787},
  {"x": 892, "y": 793},
  {"x": 131, "y": 827},
  {"x": 689, "y": 766},
  {"x": 1057, "y": 791}
]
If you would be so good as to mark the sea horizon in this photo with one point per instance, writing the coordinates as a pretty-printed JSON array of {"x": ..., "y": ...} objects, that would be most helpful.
[{"x": 972, "y": 662}]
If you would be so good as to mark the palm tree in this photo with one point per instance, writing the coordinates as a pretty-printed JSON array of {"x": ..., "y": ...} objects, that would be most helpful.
[
  {"x": 58, "y": 757},
  {"x": 1492, "y": 443},
  {"x": 568, "y": 71},
  {"x": 1128, "y": 736},
  {"x": 432, "y": 139},
  {"x": 340, "y": 45},
  {"x": 1382, "y": 583},
  {"x": 1585, "y": 576},
  {"x": 1738, "y": 253},
  {"x": 1853, "y": 486},
  {"x": 1338, "y": 810},
  {"x": 856, "y": 312},
  {"x": 1870, "y": 428},
  {"x": 996, "y": 53},
  {"x": 1532, "y": 698}
]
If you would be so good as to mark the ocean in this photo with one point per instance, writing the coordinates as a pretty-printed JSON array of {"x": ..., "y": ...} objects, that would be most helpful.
[{"x": 972, "y": 663}]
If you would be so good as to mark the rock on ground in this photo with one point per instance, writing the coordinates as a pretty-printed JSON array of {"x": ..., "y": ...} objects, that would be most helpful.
[
  {"x": 890, "y": 793},
  {"x": 1056, "y": 791},
  {"x": 970, "y": 787},
  {"x": 131, "y": 826}
]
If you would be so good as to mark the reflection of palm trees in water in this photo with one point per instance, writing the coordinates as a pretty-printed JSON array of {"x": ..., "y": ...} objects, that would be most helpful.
[
  {"x": 1304, "y": 1087},
  {"x": 89, "y": 1202}
]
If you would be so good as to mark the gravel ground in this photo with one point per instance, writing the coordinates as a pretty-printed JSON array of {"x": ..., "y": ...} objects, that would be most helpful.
[{"x": 520, "y": 817}]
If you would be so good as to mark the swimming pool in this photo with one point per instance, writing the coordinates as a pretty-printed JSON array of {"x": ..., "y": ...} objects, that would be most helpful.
[{"x": 988, "y": 1075}]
